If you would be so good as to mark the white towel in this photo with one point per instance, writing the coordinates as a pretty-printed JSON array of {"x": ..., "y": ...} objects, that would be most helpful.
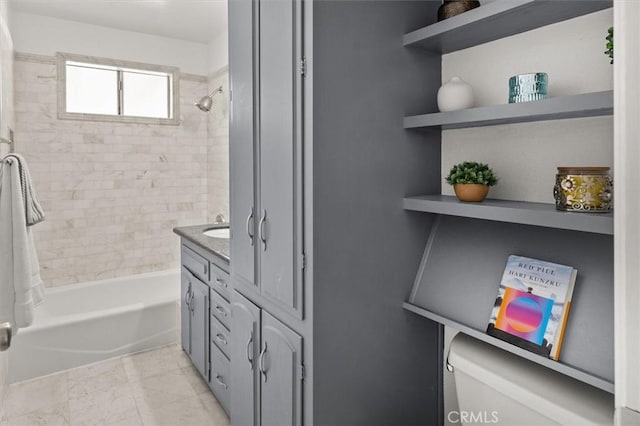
[
  {"x": 21, "y": 287},
  {"x": 32, "y": 208}
]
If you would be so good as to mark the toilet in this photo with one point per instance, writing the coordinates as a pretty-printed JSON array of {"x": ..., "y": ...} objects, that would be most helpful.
[{"x": 494, "y": 386}]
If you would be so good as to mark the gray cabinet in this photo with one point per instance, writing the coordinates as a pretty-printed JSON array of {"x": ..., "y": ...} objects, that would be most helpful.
[
  {"x": 242, "y": 136},
  {"x": 266, "y": 149},
  {"x": 352, "y": 168},
  {"x": 206, "y": 319},
  {"x": 245, "y": 345},
  {"x": 282, "y": 371},
  {"x": 195, "y": 321},
  {"x": 267, "y": 368},
  {"x": 185, "y": 313},
  {"x": 281, "y": 152}
]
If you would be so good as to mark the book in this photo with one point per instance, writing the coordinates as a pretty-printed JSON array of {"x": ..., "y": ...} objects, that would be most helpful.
[{"x": 532, "y": 306}]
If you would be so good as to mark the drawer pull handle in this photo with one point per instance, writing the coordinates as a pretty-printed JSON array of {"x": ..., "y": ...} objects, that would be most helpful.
[
  {"x": 262, "y": 370},
  {"x": 221, "y": 338},
  {"x": 249, "y": 220},
  {"x": 250, "y": 350},
  {"x": 223, "y": 384},
  {"x": 221, "y": 311},
  {"x": 222, "y": 282}
]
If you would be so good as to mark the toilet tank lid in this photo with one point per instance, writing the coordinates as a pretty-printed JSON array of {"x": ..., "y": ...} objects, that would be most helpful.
[{"x": 551, "y": 393}]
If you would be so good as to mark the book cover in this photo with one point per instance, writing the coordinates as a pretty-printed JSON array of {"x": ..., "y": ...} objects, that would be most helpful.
[{"x": 532, "y": 305}]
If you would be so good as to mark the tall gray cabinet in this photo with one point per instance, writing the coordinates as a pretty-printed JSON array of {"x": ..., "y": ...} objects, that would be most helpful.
[
  {"x": 322, "y": 253},
  {"x": 266, "y": 175}
]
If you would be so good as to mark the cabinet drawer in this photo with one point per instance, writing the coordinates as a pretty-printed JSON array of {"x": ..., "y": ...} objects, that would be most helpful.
[
  {"x": 220, "y": 281},
  {"x": 220, "y": 378},
  {"x": 198, "y": 265},
  {"x": 220, "y": 335},
  {"x": 220, "y": 309}
]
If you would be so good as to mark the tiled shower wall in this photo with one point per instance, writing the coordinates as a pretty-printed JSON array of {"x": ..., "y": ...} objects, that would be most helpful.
[
  {"x": 112, "y": 192},
  {"x": 218, "y": 154}
]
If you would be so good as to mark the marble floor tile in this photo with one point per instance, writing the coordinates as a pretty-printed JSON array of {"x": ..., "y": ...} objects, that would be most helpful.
[
  {"x": 195, "y": 379},
  {"x": 101, "y": 407},
  {"x": 131, "y": 418},
  {"x": 158, "y": 387},
  {"x": 35, "y": 395},
  {"x": 151, "y": 362},
  {"x": 95, "y": 369},
  {"x": 56, "y": 415},
  {"x": 217, "y": 415},
  {"x": 156, "y": 391},
  {"x": 182, "y": 358},
  {"x": 85, "y": 380},
  {"x": 188, "y": 411}
]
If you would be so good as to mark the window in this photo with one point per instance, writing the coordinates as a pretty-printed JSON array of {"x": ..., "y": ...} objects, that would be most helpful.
[{"x": 109, "y": 90}]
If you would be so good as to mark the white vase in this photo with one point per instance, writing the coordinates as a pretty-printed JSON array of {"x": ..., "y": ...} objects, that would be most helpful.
[{"x": 455, "y": 94}]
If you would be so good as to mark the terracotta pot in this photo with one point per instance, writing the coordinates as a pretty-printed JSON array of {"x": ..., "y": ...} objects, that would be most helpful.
[{"x": 471, "y": 191}]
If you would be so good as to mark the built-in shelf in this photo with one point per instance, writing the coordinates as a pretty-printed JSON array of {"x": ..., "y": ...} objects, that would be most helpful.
[
  {"x": 481, "y": 335},
  {"x": 497, "y": 20},
  {"x": 557, "y": 108},
  {"x": 460, "y": 273},
  {"x": 537, "y": 214},
  {"x": 458, "y": 279}
]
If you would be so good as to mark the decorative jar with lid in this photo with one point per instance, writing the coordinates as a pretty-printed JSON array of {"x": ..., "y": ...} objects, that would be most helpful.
[{"x": 583, "y": 189}]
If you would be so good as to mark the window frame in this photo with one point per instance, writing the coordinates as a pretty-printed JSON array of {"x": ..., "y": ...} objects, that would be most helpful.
[{"x": 63, "y": 114}]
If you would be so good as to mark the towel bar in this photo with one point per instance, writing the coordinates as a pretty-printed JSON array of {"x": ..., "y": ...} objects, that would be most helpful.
[{"x": 7, "y": 141}]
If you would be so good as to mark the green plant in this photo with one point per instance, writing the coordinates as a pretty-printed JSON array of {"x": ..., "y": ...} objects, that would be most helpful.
[
  {"x": 609, "y": 46},
  {"x": 471, "y": 172}
]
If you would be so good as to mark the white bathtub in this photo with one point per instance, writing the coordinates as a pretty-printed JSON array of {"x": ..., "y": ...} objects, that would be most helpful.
[{"x": 84, "y": 323}]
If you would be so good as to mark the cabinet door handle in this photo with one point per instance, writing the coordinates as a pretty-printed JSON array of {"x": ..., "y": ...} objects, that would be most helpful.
[
  {"x": 205, "y": 269},
  {"x": 220, "y": 381},
  {"x": 222, "y": 282},
  {"x": 221, "y": 311},
  {"x": 191, "y": 305},
  {"x": 187, "y": 296},
  {"x": 262, "y": 370},
  {"x": 261, "y": 226},
  {"x": 250, "y": 350},
  {"x": 249, "y": 220},
  {"x": 221, "y": 338}
]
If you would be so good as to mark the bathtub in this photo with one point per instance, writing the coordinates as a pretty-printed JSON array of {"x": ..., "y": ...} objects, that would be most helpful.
[{"x": 84, "y": 323}]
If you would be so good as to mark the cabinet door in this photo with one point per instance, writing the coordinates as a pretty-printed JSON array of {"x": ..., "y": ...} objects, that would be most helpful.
[
  {"x": 241, "y": 140},
  {"x": 281, "y": 153},
  {"x": 199, "y": 307},
  {"x": 185, "y": 313},
  {"x": 281, "y": 368},
  {"x": 245, "y": 344}
]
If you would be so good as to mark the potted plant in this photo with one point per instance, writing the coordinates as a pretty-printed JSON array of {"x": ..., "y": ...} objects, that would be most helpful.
[
  {"x": 609, "y": 51},
  {"x": 471, "y": 180}
]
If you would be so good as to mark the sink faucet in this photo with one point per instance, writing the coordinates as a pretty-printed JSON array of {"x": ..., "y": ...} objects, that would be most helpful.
[{"x": 220, "y": 218}]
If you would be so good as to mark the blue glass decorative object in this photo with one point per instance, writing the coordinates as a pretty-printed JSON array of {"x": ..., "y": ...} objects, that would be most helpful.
[{"x": 528, "y": 87}]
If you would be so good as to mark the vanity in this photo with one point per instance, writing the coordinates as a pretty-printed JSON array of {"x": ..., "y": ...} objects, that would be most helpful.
[{"x": 204, "y": 304}]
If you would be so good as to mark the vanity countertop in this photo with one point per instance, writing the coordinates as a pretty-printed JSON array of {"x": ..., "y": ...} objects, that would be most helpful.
[{"x": 195, "y": 234}]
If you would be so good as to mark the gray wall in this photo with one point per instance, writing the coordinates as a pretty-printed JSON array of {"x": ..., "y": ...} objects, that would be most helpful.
[{"x": 373, "y": 362}]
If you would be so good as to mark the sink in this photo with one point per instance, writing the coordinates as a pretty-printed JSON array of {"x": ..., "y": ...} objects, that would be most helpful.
[{"x": 217, "y": 233}]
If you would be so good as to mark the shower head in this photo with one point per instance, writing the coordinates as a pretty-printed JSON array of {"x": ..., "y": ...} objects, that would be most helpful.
[{"x": 205, "y": 103}]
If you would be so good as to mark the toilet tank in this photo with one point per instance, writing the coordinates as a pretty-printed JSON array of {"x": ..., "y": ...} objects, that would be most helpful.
[{"x": 497, "y": 387}]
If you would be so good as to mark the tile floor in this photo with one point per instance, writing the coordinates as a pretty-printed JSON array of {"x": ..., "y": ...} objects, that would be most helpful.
[{"x": 158, "y": 387}]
